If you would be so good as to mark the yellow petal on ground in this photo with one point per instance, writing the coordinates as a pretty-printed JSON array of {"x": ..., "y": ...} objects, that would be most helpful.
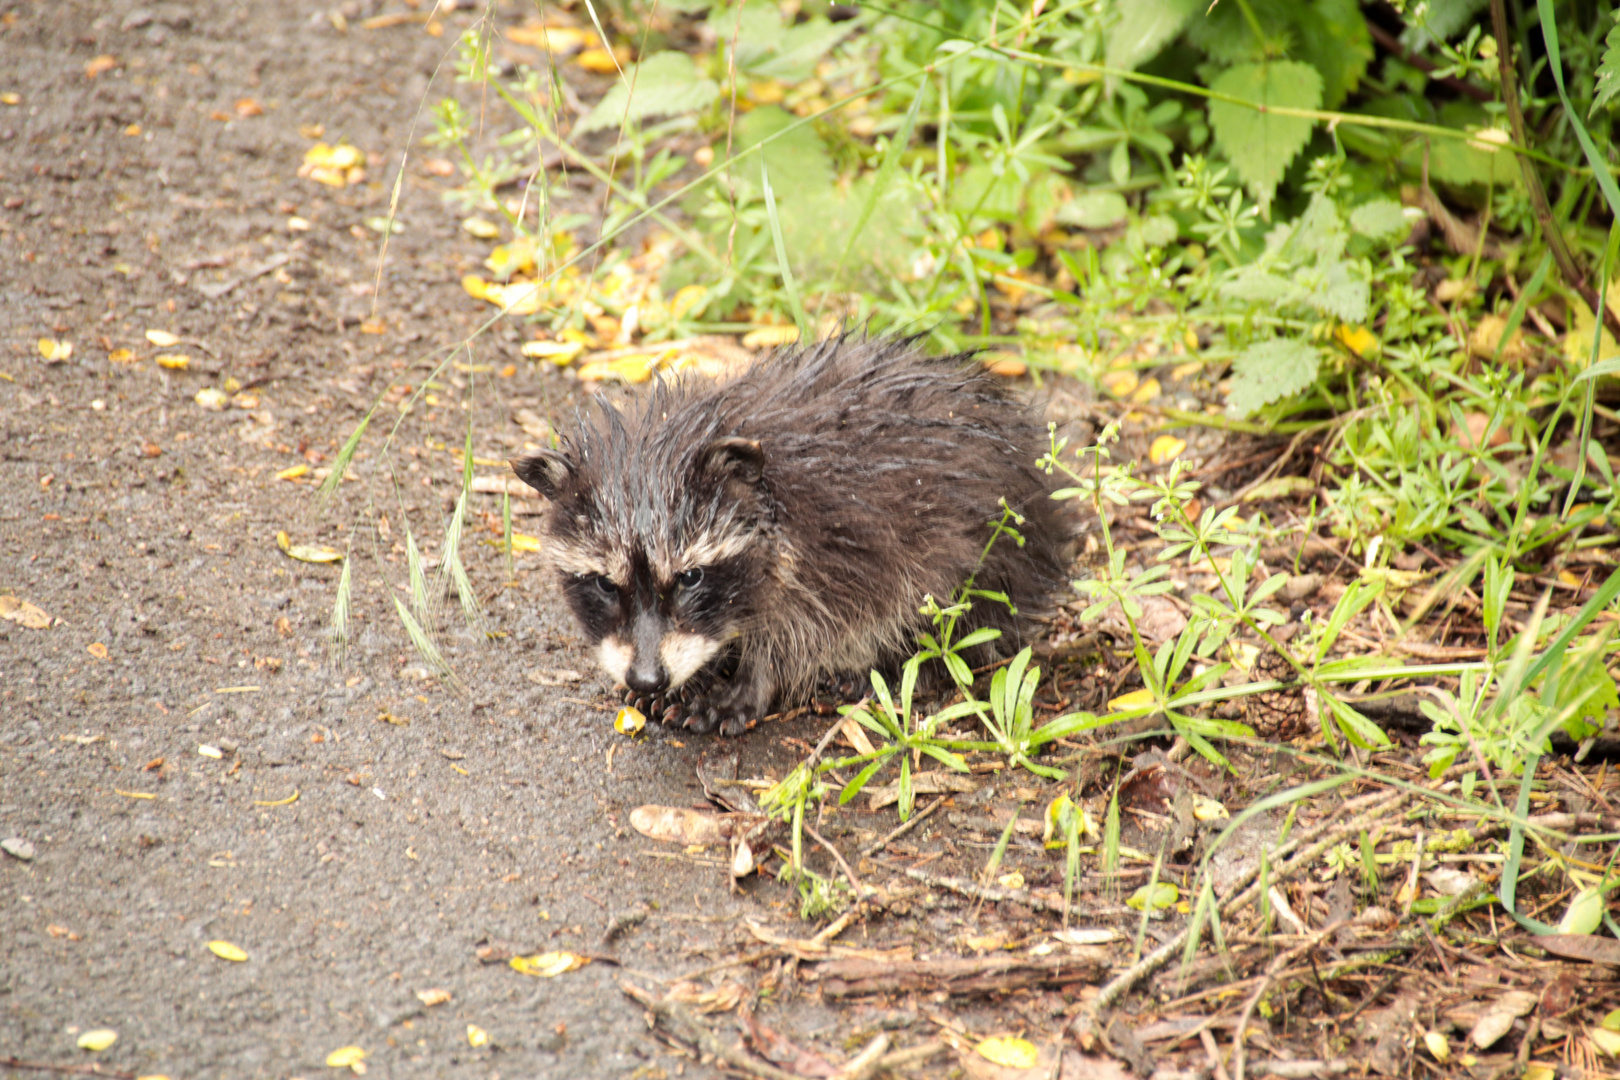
[
  {"x": 98, "y": 1040},
  {"x": 1146, "y": 392},
  {"x": 630, "y": 721},
  {"x": 484, "y": 230},
  {"x": 345, "y": 1057},
  {"x": 525, "y": 542},
  {"x": 1358, "y": 339},
  {"x": 1121, "y": 383},
  {"x": 1009, "y": 1052},
  {"x": 436, "y": 996},
  {"x": 514, "y": 258},
  {"x": 341, "y": 156},
  {"x": 120, "y": 356},
  {"x": 162, "y": 338},
  {"x": 1569, "y": 579},
  {"x": 1181, "y": 371},
  {"x": 548, "y": 965},
  {"x": 1136, "y": 699},
  {"x": 52, "y": 349},
  {"x": 293, "y": 473},
  {"x": 599, "y": 61},
  {"x": 1159, "y": 896},
  {"x": 767, "y": 336},
  {"x": 226, "y": 951},
  {"x": 173, "y": 361},
  {"x": 518, "y": 298},
  {"x": 477, "y": 1036},
  {"x": 558, "y": 352},
  {"x": 556, "y": 39},
  {"x": 100, "y": 64},
  {"x": 637, "y": 368},
  {"x": 1014, "y": 880},
  {"x": 1166, "y": 448},
  {"x": 1207, "y": 809},
  {"x": 10, "y": 97},
  {"x": 212, "y": 399},
  {"x": 97, "y": 650}
]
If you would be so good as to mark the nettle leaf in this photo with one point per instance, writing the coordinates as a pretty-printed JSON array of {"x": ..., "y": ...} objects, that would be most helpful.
[
  {"x": 1608, "y": 72},
  {"x": 1260, "y": 145},
  {"x": 1337, "y": 290},
  {"x": 1379, "y": 218},
  {"x": 1145, "y": 27},
  {"x": 1268, "y": 371},
  {"x": 667, "y": 84}
]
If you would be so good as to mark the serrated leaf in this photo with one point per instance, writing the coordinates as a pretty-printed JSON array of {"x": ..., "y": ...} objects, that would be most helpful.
[
  {"x": 1379, "y": 218},
  {"x": 1608, "y": 72},
  {"x": 666, "y": 84},
  {"x": 1261, "y": 145},
  {"x": 1268, "y": 371}
]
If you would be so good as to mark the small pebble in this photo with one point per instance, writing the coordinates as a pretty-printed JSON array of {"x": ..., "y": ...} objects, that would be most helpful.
[{"x": 17, "y": 847}]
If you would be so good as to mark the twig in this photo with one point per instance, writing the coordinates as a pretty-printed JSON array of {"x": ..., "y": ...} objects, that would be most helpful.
[
  {"x": 916, "y": 819},
  {"x": 678, "y": 1020},
  {"x": 1308, "y": 846},
  {"x": 997, "y": 896},
  {"x": 1266, "y": 982},
  {"x": 854, "y": 882},
  {"x": 93, "y": 1069}
]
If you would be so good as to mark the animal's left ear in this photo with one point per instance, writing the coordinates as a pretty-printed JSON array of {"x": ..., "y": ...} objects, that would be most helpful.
[
  {"x": 734, "y": 457},
  {"x": 548, "y": 472}
]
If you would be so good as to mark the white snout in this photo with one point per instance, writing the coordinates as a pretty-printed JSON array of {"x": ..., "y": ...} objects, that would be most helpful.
[
  {"x": 684, "y": 655},
  {"x": 615, "y": 656}
]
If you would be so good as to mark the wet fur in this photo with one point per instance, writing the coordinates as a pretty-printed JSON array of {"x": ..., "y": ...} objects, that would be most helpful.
[{"x": 822, "y": 494}]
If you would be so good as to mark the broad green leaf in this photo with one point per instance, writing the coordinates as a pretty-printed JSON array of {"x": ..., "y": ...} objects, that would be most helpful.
[
  {"x": 666, "y": 84},
  {"x": 1379, "y": 218},
  {"x": 1145, "y": 27},
  {"x": 1262, "y": 144},
  {"x": 1094, "y": 210},
  {"x": 1268, "y": 371}
]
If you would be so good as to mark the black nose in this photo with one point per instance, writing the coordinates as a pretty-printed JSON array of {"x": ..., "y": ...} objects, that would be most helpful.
[{"x": 646, "y": 678}]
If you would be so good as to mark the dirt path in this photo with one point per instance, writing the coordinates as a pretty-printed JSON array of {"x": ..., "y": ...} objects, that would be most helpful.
[{"x": 153, "y": 195}]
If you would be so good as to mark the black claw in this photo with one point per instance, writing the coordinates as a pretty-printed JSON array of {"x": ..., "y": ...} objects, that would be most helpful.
[
  {"x": 671, "y": 714},
  {"x": 733, "y": 726},
  {"x": 701, "y": 722}
]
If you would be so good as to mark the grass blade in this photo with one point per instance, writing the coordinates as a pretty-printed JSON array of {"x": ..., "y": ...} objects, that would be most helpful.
[
  {"x": 800, "y": 319},
  {"x": 425, "y": 648},
  {"x": 340, "y": 464},
  {"x": 884, "y": 176},
  {"x": 419, "y": 589}
]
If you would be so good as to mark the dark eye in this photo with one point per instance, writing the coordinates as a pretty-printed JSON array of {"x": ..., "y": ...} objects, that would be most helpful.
[
  {"x": 688, "y": 579},
  {"x": 605, "y": 585}
]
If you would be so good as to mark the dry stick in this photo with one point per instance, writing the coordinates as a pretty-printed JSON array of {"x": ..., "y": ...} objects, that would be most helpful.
[
  {"x": 679, "y": 1021},
  {"x": 1309, "y": 845},
  {"x": 93, "y": 1069},
  {"x": 854, "y": 882},
  {"x": 916, "y": 819},
  {"x": 1532, "y": 179},
  {"x": 1270, "y": 978}
]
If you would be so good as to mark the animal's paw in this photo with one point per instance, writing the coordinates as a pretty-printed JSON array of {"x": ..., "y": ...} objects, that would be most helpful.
[{"x": 834, "y": 689}]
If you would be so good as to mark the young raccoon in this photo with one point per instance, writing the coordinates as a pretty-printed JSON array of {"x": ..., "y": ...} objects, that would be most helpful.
[{"x": 729, "y": 547}]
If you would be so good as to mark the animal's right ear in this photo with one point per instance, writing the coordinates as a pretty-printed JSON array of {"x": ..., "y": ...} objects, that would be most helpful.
[
  {"x": 548, "y": 472},
  {"x": 734, "y": 456}
]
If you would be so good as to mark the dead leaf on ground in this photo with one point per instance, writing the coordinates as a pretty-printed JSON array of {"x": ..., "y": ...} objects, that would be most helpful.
[
  {"x": 678, "y": 825},
  {"x": 23, "y": 613}
]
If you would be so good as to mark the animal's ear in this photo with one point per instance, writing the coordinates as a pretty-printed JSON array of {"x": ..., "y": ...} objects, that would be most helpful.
[
  {"x": 734, "y": 457},
  {"x": 548, "y": 472}
]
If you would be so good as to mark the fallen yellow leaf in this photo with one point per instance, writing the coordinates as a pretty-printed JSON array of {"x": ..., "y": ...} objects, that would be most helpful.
[
  {"x": 97, "y": 650},
  {"x": 548, "y": 965},
  {"x": 293, "y": 473},
  {"x": 162, "y": 338},
  {"x": 1009, "y": 1052},
  {"x": 23, "y": 613},
  {"x": 52, "y": 349},
  {"x": 558, "y": 352},
  {"x": 173, "y": 361},
  {"x": 98, "y": 1040},
  {"x": 525, "y": 542},
  {"x": 1166, "y": 448},
  {"x": 435, "y": 996},
  {"x": 226, "y": 951},
  {"x": 599, "y": 61},
  {"x": 1133, "y": 700},
  {"x": 100, "y": 65},
  {"x": 637, "y": 368},
  {"x": 1120, "y": 383},
  {"x": 310, "y": 553},
  {"x": 120, "y": 356},
  {"x": 767, "y": 336},
  {"x": 477, "y": 1036},
  {"x": 484, "y": 230},
  {"x": 345, "y": 1057}
]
